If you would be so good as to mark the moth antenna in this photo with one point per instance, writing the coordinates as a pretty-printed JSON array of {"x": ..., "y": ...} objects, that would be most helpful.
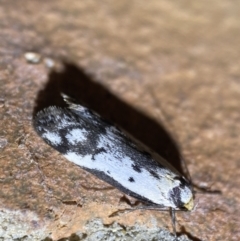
[
  {"x": 203, "y": 190},
  {"x": 186, "y": 171},
  {"x": 128, "y": 210}
]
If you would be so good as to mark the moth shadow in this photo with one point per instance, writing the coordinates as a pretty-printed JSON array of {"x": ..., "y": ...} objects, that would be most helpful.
[
  {"x": 76, "y": 83},
  {"x": 190, "y": 236}
]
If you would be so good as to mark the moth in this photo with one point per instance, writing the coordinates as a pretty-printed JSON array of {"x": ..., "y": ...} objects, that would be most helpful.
[{"x": 102, "y": 149}]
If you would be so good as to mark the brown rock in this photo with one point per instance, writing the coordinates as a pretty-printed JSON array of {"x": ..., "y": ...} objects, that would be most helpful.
[{"x": 167, "y": 72}]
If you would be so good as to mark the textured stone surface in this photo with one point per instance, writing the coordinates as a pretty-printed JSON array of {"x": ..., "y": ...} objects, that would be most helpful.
[{"x": 166, "y": 71}]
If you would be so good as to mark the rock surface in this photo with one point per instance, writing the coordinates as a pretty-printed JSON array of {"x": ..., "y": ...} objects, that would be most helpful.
[{"x": 165, "y": 71}]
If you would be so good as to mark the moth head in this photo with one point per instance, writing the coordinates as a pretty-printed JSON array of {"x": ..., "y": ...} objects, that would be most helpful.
[
  {"x": 181, "y": 194},
  {"x": 189, "y": 205}
]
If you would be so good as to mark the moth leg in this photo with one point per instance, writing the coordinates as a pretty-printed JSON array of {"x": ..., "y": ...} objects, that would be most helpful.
[
  {"x": 172, "y": 214},
  {"x": 122, "y": 211},
  {"x": 173, "y": 218}
]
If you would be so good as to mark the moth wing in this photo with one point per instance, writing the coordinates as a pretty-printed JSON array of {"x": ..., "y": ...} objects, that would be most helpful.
[{"x": 98, "y": 147}]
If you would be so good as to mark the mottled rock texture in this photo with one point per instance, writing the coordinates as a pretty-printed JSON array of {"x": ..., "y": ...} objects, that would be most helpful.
[{"x": 168, "y": 72}]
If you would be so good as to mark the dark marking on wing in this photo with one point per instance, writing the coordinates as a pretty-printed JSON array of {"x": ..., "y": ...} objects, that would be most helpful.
[
  {"x": 154, "y": 174},
  {"x": 98, "y": 151},
  {"x": 175, "y": 195},
  {"x": 131, "y": 179},
  {"x": 148, "y": 155},
  {"x": 63, "y": 120},
  {"x": 101, "y": 175},
  {"x": 183, "y": 182},
  {"x": 136, "y": 168},
  {"x": 53, "y": 120}
]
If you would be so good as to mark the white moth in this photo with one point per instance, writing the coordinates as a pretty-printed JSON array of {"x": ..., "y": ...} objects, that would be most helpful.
[{"x": 98, "y": 147}]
